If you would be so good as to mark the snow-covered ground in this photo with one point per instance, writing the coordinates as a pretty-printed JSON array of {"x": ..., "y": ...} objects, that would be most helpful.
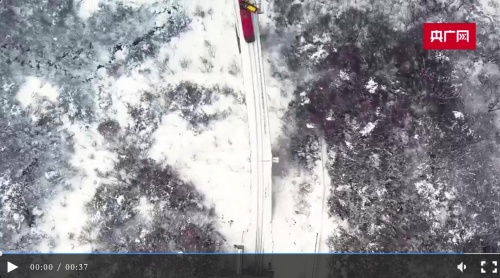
[
  {"x": 215, "y": 158},
  {"x": 298, "y": 212},
  {"x": 66, "y": 213}
]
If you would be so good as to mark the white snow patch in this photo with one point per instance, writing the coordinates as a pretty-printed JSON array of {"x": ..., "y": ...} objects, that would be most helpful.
[
  {"x": 216, "y": 161},
  {"x": 304, "y": 99},
  {"x": 121, "y": 55},
  {"x": 50, "y": 174},
  {"x": 310, "y": 125},
  {"x": 324, "y": 38},
  {"x": 490, "y": 7},
  {"x": 204, "y": 53},
  {"x": 88, "y": 8},
  {"x": 34, "y": 89},
  {"x": 37, "y": 212},
  {"x": 115, "y": 95},
  {"x": 368, "y": 128},
  {"x": 8, "y": 86},
  {"x": 372, "y": 86},
  {"x": 458, "y": 115},
  {"x": 306, "y": 47},
  {"x": 128, "y": 89},
  {"x": 425, "y": 188},
  {"x": 301, "y": 216},
  {"x": 318, "y": 55},
  {"x": 291, "y": 219},
  {"x": 279, "y": 91},
  {"x": 344, "y": 75},
  {"x": 103, "y": 55},
  {"x": 59, "y": 221},
  {"x": 375, "y": 160},
  {"x": 145, "y": 208},
  {"x": 349, "y": 145},
  {"x": 119, "y": 200}
]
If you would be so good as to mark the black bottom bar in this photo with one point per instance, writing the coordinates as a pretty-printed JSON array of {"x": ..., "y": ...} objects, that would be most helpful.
[{"x": 243, "y": 265}]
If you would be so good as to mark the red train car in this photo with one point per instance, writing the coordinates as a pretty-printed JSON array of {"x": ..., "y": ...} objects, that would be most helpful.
[{"x": 246, "y": 23}]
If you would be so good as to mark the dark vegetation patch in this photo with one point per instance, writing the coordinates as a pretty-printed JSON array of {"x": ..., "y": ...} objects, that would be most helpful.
[
  {"x": 189, "y": 100},
  {"x": 177, "y": 220},
  {"x": 422, "y": 180},
  {"x": 109, "y": 129},
  {"x": 32, "y": 170}
]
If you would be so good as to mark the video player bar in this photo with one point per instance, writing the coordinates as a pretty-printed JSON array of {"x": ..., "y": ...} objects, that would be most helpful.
[{"x": 240, "y": 265}]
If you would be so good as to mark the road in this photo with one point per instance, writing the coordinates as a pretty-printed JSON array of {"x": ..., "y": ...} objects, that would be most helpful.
[
  {"x": 259, "y": 237},
  {"x": 320, "y": 240},
  {"x": 324, "y": 188}
]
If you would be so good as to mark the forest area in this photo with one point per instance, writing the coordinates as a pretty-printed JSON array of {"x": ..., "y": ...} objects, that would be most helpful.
[{"x": 414, "y": 133}]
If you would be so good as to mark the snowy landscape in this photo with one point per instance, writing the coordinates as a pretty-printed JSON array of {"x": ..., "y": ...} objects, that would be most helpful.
[{"x": 125, "y": 126}]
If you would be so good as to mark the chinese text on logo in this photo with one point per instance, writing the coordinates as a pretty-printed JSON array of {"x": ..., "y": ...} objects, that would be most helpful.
[{"x": 449, "y": 36}]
